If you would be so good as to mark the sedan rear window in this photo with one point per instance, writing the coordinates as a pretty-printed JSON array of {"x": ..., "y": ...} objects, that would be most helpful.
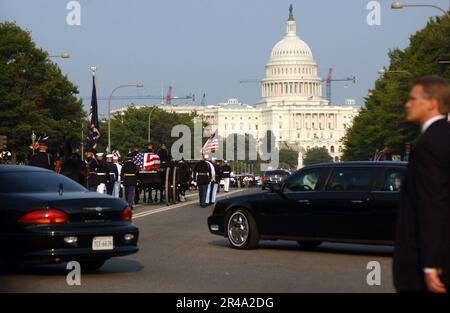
[
  {"x": 27, "y": 182},
  {"x": 277, "y": 172}
]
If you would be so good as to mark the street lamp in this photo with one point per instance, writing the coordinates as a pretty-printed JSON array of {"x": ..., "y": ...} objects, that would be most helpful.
[
  {"x": 138, "y": 85},
  {"x": 382, "y": 72},
  {"x": 149, "y": 116},
  {"x": 399, "y": 5},
  {"x": 64, "y": 55}
]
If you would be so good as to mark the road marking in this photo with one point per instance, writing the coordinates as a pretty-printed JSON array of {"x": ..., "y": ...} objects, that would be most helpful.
[{"x": 175, "y": 206}]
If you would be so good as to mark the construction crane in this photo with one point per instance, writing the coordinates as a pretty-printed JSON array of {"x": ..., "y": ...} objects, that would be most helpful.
[
  {"x": 330, "y": 79},
  {"x": 203, "y": 99},
  {"x": 167, "y": 98}
]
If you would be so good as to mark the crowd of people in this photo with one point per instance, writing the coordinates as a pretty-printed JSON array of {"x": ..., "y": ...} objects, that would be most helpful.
[{"x": 109, "y": 174}]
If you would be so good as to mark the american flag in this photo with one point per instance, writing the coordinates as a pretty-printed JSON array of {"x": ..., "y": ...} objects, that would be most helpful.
[
  {"x": 211, "y": 145},
  {"x": 146, "y": 161}
]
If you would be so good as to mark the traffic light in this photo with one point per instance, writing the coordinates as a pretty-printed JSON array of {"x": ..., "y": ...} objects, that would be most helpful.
[{"x": 3, "y": 142}]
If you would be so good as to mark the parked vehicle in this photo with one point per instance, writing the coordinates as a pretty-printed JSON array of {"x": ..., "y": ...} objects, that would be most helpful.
[{"x": 273, "y": 177}]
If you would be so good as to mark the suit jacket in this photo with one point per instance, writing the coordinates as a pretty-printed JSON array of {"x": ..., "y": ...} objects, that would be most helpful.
[{"x": 423, "y": 221}]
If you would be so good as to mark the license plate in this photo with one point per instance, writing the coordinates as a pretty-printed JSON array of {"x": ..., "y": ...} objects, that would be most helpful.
[{"x": 103, "y": 243}]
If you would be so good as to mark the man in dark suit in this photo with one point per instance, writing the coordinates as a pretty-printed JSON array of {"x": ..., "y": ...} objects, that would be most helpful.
[{"x": 422, "y": 247}]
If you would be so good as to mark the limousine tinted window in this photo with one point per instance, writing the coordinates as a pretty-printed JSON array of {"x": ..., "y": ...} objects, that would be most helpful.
[
  {"x": 351, "y": 179},
  {"x": 303, "y": 181},
  {"x": 393, "y": 180}
]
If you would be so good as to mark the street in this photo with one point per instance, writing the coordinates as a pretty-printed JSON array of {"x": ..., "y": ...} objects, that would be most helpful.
[{"x": 178, "y": 254}]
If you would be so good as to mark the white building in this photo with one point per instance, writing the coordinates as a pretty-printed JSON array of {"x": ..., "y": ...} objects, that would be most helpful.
[{"x": 291, "y": 105}]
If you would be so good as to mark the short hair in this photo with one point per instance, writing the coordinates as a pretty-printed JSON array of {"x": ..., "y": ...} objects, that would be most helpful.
[{"x": 435, "y": 87}]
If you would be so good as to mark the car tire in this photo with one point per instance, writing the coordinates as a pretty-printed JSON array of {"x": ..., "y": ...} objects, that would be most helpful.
[
  {"x": 242, "y": 230},
  {"x": 92, "y": 265},
  {"x": 309, "y": 244}
]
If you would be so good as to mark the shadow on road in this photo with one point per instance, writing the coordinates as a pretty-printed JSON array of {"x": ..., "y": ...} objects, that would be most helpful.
[{"x": 337, "y": 248}]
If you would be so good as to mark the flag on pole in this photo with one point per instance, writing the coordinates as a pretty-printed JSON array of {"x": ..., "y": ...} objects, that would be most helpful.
[
  {"x": 211, "y": 145},
  {"x": 93, "y": 125}
]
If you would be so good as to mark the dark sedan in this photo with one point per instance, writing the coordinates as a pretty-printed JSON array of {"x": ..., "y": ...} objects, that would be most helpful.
[
  {"x": 48, "y": 218},
  {"x": 273, "y": 177},
  {"x": 339, "y": 202}
]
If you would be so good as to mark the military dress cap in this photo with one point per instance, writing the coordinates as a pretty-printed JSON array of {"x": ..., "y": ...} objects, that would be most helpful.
[
  {"x": 115, "y": 157},
  {"x": 110, "y": 155},
  {"x": 99, "y": 154}
]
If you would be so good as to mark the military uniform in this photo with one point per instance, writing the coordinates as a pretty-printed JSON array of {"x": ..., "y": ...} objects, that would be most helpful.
[
  {"x": 129, "y": 180},
  {"x": 92, "y": 166},
  {"x": 202, "y": 175},
  {"x": 102, "y": 178},
  {"x": 112, "y": 176},
  {"x": 43, "y": 160},
  {"x": 226, "y": 173},
  {"x": 164, "y": 156}
]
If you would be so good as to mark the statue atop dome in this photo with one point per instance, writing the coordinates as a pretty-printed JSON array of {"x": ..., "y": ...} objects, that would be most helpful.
[{"x": 291, "y": 15}]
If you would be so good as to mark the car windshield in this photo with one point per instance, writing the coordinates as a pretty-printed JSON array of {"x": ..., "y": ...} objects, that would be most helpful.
[{"x": 27, "y": 182}]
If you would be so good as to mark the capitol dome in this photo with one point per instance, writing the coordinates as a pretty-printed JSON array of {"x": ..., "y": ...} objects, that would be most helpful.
[{"x": 291, "y": 72}]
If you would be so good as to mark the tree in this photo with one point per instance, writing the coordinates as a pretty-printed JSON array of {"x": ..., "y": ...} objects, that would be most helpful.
[
  {"x": 288, "y": 158},
  {"x": 34, "y": 94},
  {"x": 317, "y": 155},
  {"x": 381, "y": 122},
  {"x": 130, "y": 128}
]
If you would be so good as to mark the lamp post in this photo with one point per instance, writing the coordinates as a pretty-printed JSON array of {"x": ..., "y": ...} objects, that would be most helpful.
[
  {"x": 399, "y": 5},
  {"x": 149, "y": 116},
  {"x": 138, "y": 85}
]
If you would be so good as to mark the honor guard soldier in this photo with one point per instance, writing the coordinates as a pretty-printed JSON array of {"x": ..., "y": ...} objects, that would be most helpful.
[
  {"x": 129, "y": 179},
  {"x": 226, "y": 173},
  {"x": 91, "y": 169},
  {"x": 42, "y": 158},
  {"x": 112, "y": 173},
  {"x": 164, "y": 155},
  {"x": 202, "y": 175},
  {"x": 102, "y": 171}
]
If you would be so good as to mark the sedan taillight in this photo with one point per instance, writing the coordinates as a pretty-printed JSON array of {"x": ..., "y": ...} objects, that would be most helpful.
[
  {"x": 127, "y": 214},
  {"x": 44, "y": 216}
]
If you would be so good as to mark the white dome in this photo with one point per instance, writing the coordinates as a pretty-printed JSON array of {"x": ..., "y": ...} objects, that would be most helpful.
[
  {"x": 291, "y": 72},
  {"x": 291, "y": 46}
]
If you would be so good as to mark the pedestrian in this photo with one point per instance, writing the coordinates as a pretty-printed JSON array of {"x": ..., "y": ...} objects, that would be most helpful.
[
  {"x": 91, "y": 169},
  {"x": 112, "y": 174},
  {"x": 42, "y": 158},
  {"x": 74, "y": 167},
  {"x": 226, "y": 173},
  {"x": 116, "y": 190},
  {"x": 129, "y": 179},
  {"x": 101, "y": 173},
  {"x": 202, "y": 175},
  {"x": 215, "y": 181},
  {"x": 422, "y": 244}
]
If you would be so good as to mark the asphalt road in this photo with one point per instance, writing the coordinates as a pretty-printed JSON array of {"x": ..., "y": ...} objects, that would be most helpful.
[{"x": 178, "y": 254}]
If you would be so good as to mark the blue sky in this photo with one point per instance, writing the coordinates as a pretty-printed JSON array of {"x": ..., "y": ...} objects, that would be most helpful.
[{"x": 208, "y": 46}]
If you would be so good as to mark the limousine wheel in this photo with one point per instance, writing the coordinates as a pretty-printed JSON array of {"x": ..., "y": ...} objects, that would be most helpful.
[
  {"x": 242, "y": 230},
  {"x": 309, "y": 244}
]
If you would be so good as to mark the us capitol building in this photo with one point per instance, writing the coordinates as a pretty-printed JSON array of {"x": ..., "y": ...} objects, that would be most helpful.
[{"x": 291, "y": 104}]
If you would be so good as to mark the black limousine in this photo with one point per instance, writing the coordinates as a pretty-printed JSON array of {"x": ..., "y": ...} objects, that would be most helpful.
[
  {"x": 354, "y": 202},
  {"x": 48, "y": 218}
]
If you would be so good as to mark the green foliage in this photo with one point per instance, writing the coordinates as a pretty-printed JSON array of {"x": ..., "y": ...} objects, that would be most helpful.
[
  {"x": 131, "y": 128},
  {"x": 34, "y": 94},
  {"x": 288, "y": 159},
  {"x": 381, "y": 122},
  {"x": 317, "y": 155}
]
